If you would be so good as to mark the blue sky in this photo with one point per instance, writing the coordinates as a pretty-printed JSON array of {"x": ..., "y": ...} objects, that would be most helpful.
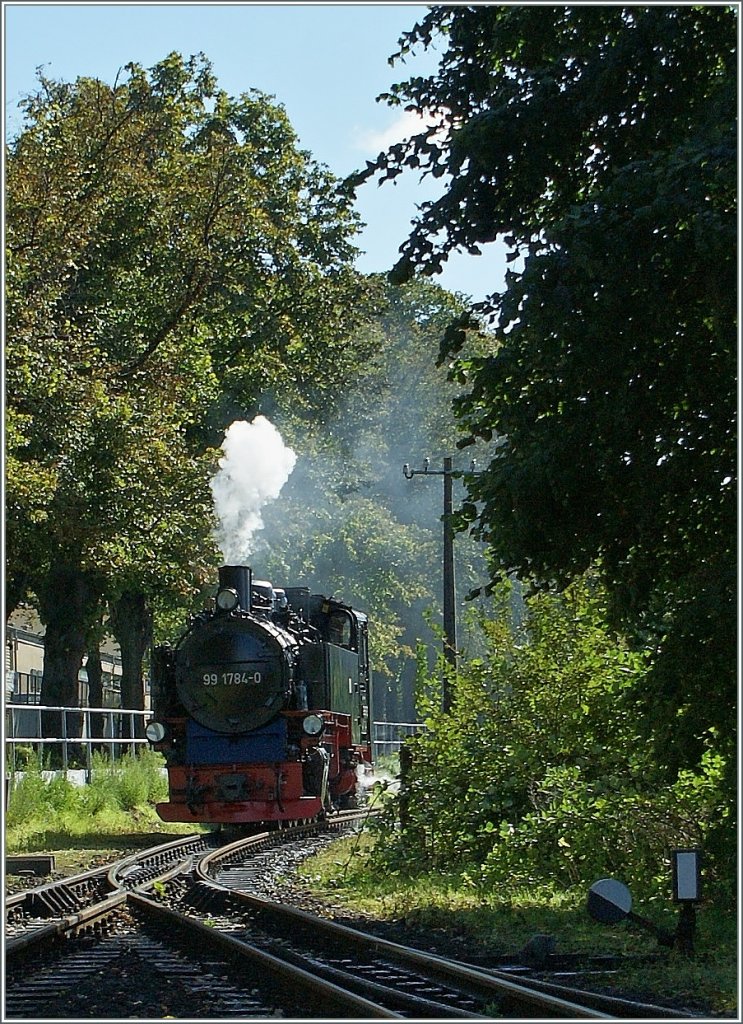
[{"x": 325, "y": 63}]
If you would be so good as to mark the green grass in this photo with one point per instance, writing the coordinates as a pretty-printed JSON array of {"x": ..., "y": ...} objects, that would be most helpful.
[
  {"x": 499, "y": 923},
  {"x": 119, "y": 801},
  {"x": 114, "y": 815}
]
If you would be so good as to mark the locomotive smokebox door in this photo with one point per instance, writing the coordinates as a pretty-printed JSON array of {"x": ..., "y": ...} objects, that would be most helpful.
[{"x": 234, "y": 674}]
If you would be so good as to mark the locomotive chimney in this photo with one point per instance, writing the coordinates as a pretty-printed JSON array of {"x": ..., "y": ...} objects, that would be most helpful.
[{"x": 239, "y": 578}]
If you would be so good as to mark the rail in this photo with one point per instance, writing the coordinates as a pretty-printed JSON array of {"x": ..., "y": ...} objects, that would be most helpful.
[{"x": 388, "y": 737}]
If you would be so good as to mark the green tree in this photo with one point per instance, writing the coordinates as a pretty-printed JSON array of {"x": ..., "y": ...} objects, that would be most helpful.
[
  {"x": 348, "y": 521},
  {"x": 173, "y": 257},
  {"x": 600, "y": 143}
]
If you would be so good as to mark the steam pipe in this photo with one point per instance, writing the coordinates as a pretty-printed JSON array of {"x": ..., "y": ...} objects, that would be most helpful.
[{"x": 240, "y": 578}]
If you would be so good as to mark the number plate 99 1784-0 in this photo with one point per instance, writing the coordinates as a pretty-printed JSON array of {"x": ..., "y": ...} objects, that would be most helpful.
[{"x": 232, "y": 677}]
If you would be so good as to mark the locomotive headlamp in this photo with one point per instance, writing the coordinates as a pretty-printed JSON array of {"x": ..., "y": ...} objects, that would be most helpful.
[
  {"x": 313, "y": 725},
  {"x": 155, "y": 732},
  {"x": 228, "y": 599}
]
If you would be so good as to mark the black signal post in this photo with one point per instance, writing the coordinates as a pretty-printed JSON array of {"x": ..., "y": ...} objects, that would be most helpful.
[{"x": 450, "y": 618}]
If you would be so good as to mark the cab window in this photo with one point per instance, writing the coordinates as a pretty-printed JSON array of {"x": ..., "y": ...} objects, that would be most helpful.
[{"x": 340, "y": 630}]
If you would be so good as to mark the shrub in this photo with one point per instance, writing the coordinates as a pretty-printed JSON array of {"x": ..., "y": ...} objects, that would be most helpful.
[
  {"x": 132, "y": 781},
  {"x": 139, "y": 781},
  {"x": 538, "y": 773},
  {"x": 27, "y": 758},
  {"x": 580, "y": 831},
  {"x": 27, "y": 797}
]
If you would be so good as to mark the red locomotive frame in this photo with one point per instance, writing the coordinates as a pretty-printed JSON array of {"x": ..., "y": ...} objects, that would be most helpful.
[{"x": 275, "y": 789}]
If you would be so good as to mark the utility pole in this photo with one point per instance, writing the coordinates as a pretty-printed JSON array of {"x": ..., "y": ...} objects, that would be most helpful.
[{"x": 450, "y": 615}]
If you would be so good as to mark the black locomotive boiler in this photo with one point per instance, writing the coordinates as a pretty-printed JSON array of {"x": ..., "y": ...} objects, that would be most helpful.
[{"x": 262, "y": 707}]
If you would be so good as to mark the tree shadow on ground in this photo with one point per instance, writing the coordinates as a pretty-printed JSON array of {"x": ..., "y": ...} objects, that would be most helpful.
[{"x": 108, "y": 841}]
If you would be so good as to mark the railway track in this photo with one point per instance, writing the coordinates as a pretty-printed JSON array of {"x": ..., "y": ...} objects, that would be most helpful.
[
  {"x": 66, "y": 907},
  {"x": 188, "y": 911}
]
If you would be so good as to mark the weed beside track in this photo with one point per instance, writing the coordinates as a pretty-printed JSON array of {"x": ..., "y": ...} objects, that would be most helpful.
[
  {"x": 456, "y": 918},
  {"x": 449, "y": 915}
]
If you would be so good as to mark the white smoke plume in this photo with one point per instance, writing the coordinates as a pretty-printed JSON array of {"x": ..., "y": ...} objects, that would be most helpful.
[
  {"x": 368, "y": 776},
  {"x": 255, "y": 466}
]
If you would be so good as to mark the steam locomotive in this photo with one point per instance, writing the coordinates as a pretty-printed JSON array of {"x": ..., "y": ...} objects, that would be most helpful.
[{"x": 262, "y": 707}]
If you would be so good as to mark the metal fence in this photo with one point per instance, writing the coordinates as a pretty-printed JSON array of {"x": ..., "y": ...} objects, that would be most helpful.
[
  {"x": 23, "y": 728},
  {"x": 25, "y": 688},
  {"x": 388, "y": 737}
]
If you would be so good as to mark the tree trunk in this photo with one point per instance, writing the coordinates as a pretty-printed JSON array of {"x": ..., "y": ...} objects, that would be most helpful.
[
  {"x": 131, "y": 624},
  {"x": 95, "y": 687},
  {"x": 16, "y": 590},
  {"x": 68, "y": 600}
]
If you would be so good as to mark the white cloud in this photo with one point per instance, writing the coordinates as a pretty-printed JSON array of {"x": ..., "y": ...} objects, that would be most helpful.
[{"x": 406, "y": 124}]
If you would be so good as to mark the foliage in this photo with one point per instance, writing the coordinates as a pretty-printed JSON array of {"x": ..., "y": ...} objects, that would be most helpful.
[
  {"x": 581, "y": 830},
  {"x": 539, "y": 773},
  {"x": 20, "y": 757},
  {"x": 131, "y": 781},
  {"x": 347, "y": 521},
  {"x": 357, "y": 551},
  {"x": 75, "y": 190},
  {"x": 173, "y": 259},
  {"x": 119, "y": 797},
  {"x": 167, "y": 245},
  {"x": 600, "y": 142}
]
